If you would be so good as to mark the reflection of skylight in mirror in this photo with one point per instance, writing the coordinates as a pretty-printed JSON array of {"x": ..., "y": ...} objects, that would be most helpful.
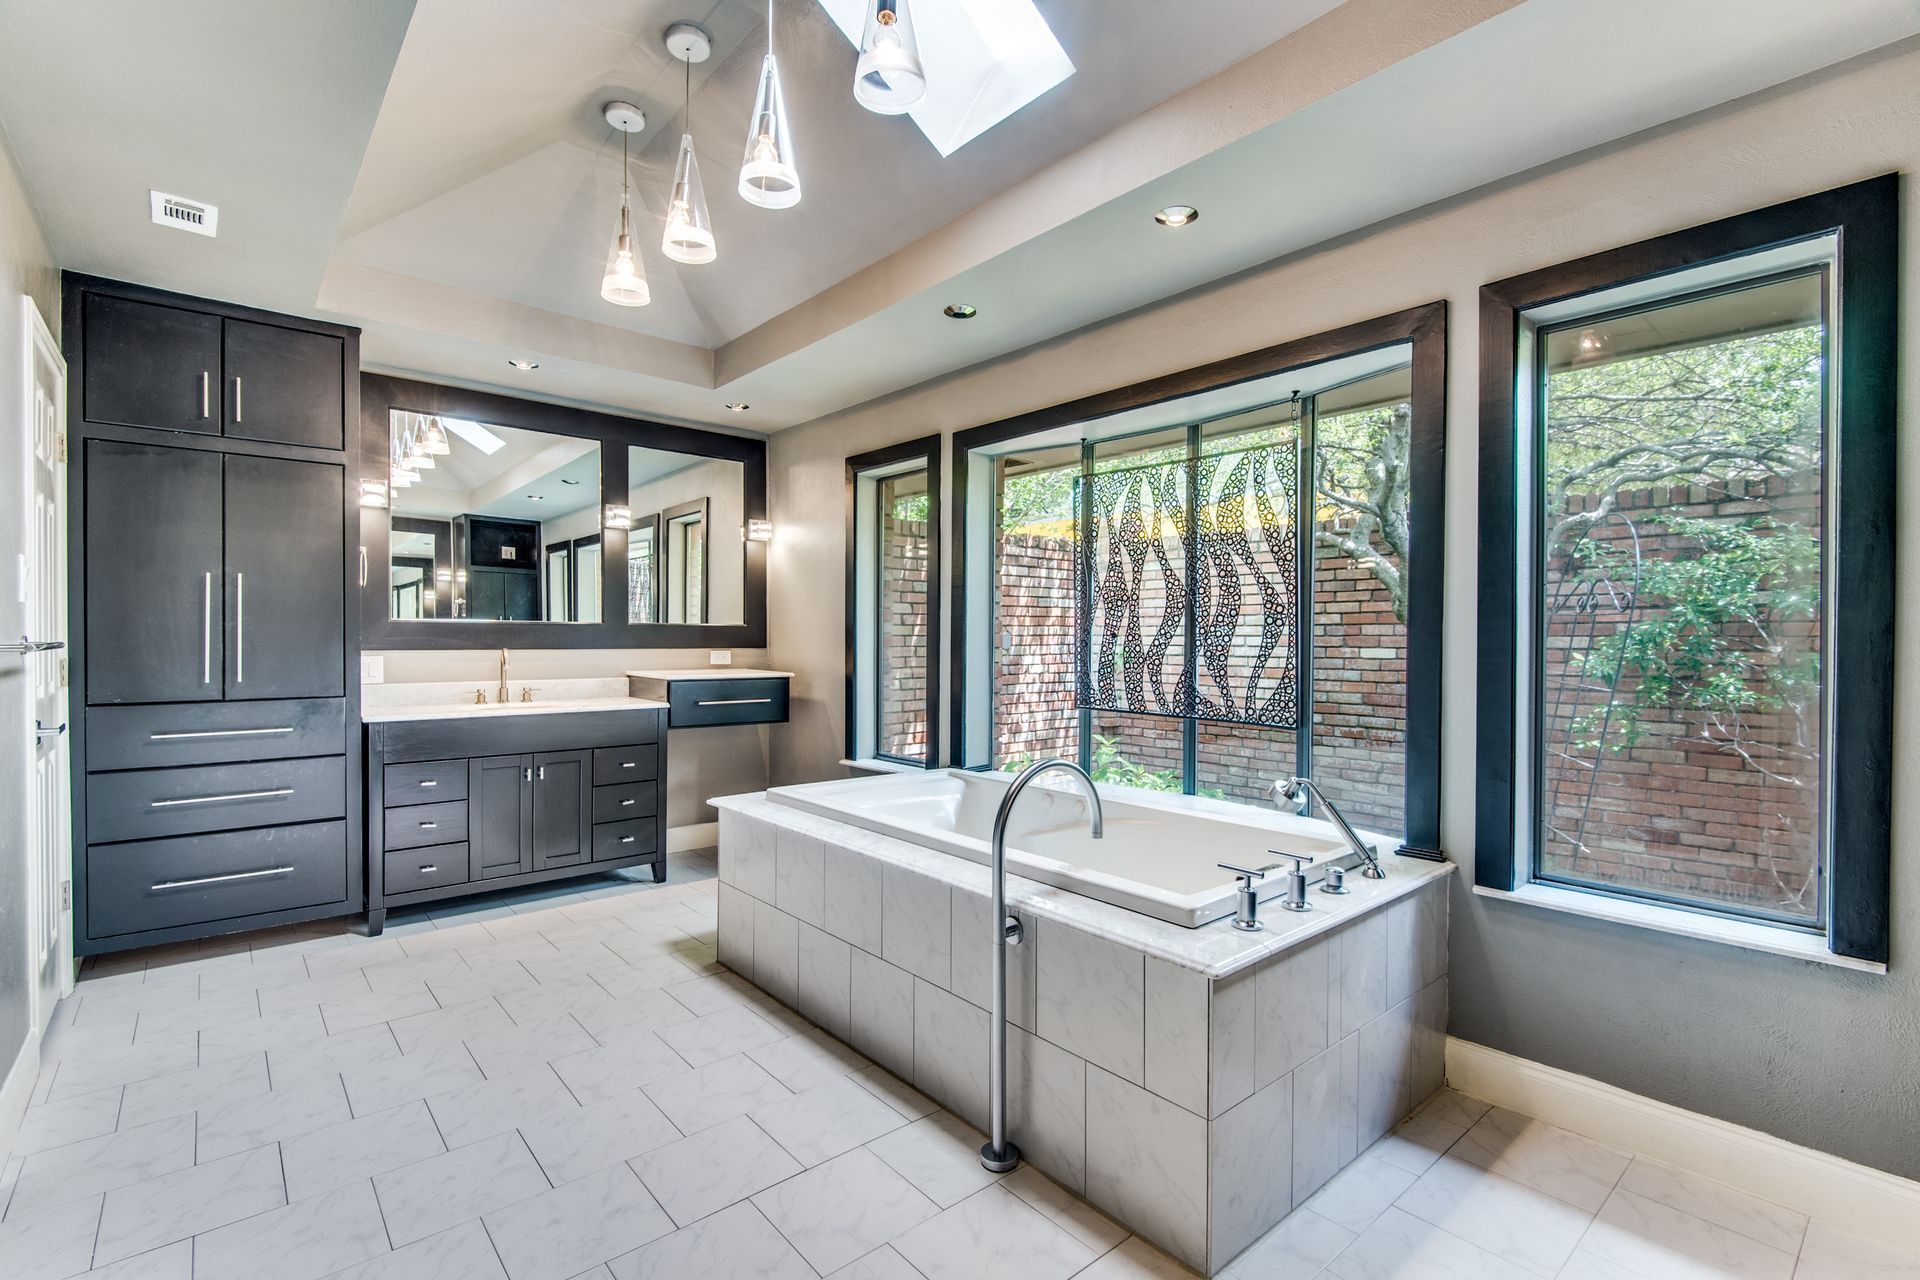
[
  {"x": 474, "y": 434},
  {"x": 985, "y": 59}
]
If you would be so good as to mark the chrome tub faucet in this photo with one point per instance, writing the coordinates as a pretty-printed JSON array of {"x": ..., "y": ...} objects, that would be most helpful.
[{"x": 1298, "y": 788}]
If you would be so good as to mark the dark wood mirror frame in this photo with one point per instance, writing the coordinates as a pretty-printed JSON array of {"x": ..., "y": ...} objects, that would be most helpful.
[{"x": 380, "y": 395}]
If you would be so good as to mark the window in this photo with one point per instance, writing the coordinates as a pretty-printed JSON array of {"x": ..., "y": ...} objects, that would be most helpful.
[
  {"x": 1178, "y": 474},
  {"x": 1695, "y": 621},
  {"x": 893, "y": 512}
]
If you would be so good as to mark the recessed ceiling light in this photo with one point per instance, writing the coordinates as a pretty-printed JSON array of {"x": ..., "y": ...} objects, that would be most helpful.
[
  {"x": 564, "y": 480},
  {"x": 537, "y": 497},
  {"x": 961, "y": 311},
  {"x": 524, "y": 365},
  {"x": 1177, "y": 215},
  {"x": 738, "y": 406}
]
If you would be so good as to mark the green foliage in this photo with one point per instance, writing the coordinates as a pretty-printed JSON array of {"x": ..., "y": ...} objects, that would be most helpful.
[
  {"x": 1110, "y": 765},
  {"x": 910, "y": 507}
]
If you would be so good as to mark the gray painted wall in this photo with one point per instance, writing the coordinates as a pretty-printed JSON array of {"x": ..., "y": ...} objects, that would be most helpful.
[
  {"x": 1823, "y": 1057},
  {"x": 26, "y": 267}
]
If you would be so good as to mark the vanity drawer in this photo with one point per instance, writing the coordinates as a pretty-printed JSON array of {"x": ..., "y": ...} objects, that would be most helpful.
[
  {"x": 221, "y": 797},
  {"x": 696, "y": 703},
  {"x": 425, "y": 783},
  {"x": 635, "y": 839},
  {"x": 181, "y": 733},
  {"x": 625, "y": 764},
  {"x": 637, "y": 800},
  {"x": 431, "y": 867},
  {"x": 419, "y": 825},
  {"x": 162, "y": 884}
]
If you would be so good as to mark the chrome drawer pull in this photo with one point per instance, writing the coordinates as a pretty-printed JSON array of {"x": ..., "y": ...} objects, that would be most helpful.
[
  {"x": 237, "y": 795},
  {"x": 627, "y": 803},
  {"x": 731, "y": 702},
  {"x": 240, "y": 623},
  {"x": 216, "y": 733},
  {"x": 626, "y": 839},
  {"x": 206, "y": 394},
  {"x": 206, "y": 628},
  {"x": 239, "y": 404},
  {"x": 430, "y": 867},
  {"x": 428, "y": 826},
  {"x": 430, "y": 782},
  {"x": 237, "y": 875},
  {"x": 629, "y": 764}
]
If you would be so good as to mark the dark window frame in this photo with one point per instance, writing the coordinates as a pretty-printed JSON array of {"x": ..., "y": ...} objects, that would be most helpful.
[
  {"x": 1424, "y": 328},
  {"x": 926, "y": 451},
  {"x": 1857, "y": 654}
]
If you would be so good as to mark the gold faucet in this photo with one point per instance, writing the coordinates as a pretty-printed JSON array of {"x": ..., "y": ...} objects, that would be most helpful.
[{"x": 503, "y": 696}]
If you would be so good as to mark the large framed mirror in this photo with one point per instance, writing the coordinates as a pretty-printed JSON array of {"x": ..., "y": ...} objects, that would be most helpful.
[{"x": 489, "y": 521}]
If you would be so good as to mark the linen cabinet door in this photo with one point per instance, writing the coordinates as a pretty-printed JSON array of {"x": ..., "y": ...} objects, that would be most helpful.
[
  {"x": 285, "y": 579},
  {"x": 500, "y": 816},
  {"x": 284, "y": 385},
  {"x": 150, "y": 365},
  {"x": 154, "y": 629},
  {"x": 562, "y": 807}
]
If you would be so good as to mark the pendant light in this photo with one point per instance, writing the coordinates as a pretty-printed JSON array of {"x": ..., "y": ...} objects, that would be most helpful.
[
  {"x": 689, "y": 234},
  {"x": 624, "y": 283},
  {"x": 889, "y": 78},
  {"x": 768, "y": 175}
]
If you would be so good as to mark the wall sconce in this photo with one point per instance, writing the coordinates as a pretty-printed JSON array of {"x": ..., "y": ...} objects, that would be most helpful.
[
  {"x": 759, "y": 531},
  {"x": 373, "y": 493},
  {"x": 615, "y": 516}
]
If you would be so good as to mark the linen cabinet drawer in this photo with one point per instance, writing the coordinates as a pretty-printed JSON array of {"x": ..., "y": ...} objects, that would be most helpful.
[
  {"x": 431, "y": 867},
  {"x": 625, "y": 764},
  {"x": 167, "y": 735},
  {"x": 427, "y": 783},
  {"x": 634, "y": 839},
  {"x": 614, "y": 804},
  {"x": 222, "y": 797},
  {"x": 163, "y": 884},
  {"x": 419, "y": 825},
  {"x": 693, "y": 704}
]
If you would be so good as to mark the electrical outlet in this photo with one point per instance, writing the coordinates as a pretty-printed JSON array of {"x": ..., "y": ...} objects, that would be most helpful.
[
  {"x": 373, "y": 669},
  {"x": 720, "y": 658}
]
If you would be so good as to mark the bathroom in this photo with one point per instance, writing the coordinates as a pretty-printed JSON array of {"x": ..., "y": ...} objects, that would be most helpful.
[{"x": 1130, "y": 647}]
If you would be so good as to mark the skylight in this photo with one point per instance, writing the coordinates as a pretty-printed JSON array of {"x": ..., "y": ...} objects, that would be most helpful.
[{"x": 985, "y": 60}]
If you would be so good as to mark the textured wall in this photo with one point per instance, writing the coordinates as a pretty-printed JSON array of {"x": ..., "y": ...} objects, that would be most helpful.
[{"x": 1819, "y": 1055}]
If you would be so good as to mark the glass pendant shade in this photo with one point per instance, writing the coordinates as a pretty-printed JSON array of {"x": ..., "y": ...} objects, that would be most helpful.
[
  {"x": 433, "y": 438},
  {"x": 689, "y": 234},
  {"x": 625, "y": 281},
  {"x": 889, "y": 78},
  {"x": 768, "y": 175}
]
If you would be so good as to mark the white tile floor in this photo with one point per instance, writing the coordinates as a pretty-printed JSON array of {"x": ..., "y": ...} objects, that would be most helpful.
[{"x": 565, "y": 1085}]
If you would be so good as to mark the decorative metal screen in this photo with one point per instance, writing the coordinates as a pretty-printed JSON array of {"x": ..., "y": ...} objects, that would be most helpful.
[{"x": 1188, "y": 592}]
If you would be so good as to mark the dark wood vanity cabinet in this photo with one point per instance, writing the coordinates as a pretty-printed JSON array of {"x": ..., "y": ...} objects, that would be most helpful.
[
  {"x": 464, "y": 804},
  {"x": 216, "y": 782}
]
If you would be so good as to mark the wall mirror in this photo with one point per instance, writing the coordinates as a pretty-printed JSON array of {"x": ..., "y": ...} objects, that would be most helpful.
[{"x": 490, "y": 521}]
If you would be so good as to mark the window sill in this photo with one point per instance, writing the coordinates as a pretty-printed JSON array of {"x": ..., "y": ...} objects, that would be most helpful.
[
  {"x": 871, "y": 765},
  {"x": 1687, "y": 924}
]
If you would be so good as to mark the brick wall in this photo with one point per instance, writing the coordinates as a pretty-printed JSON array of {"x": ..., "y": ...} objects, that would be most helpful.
[{"x": 903, "y": 637}]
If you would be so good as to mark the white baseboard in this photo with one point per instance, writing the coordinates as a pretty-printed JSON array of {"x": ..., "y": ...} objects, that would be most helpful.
[
  {"x": 698, "y": 835},
  {"x": 1838, "y": 1192},
  {"x": 16, "y": 1090}
]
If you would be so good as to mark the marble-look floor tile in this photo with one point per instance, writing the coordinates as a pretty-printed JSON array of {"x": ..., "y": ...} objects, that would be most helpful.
[
  {"x": 458, "y": 1253},
  {"x": 1299, "y": 1248},
  {"x": 288, "y": 1065},
  {"x": 703, "y": 1097},
  {"x": 1565, "y": 1165},
  {"x": 802, "y": 1061},
  {"x": 843, "y": 1209},
  {"x": 55, "y": 1124},
  {"x": 714, "y": 1036},
  {"x": 174, "y": 1206},
  {"x": 1658, "y": 1242},
  {"x": 714, "y": 1168},
  {"x": 1829, "y": 1253},
  {"x": 992, "y": 1232},
  {"x": 560, "y": 1233},
  {"x": 939, "y": 1155},
  {"x": 1718, "y": 1203},
  {"x": 1399, "y": 1246},
  {"x": 1361, "y": 1192},
  {"x": 629, "y": 1058},
  {"x": 436, "y": 1027},
  {"x": 1519, "y": 1224},
  {"x": 529, "y": 1045},
  {"x": 428, "y": 1196},
  {"x": 702, "y": 996},
  {"x": 250, "y": 1035},
  {"x": 895, "y": 1092},
  {"x": 1416, "y": 1142},
  {"x": 882, "y": 1264},
  {"x": 104, "y": 1067},
  {"x": 570, "y": 1145},
  {"x": 1135, "y": 1259},
  {"x": 261, "y": 1118},
  {"x": 185, "y": 1091},
  {"x": 1068, "y": 1211},
  {"x": 168, "y": 1262},
  {"x": 343, "y": 1153},
  {"x": 380, "y": 1006},
  {"x": 383, "y": 1085},
  {"x": 197, "y": 1015},
  {"x": 311, "y": 993},
  {"x": 50, "y": 1244},
  {"x": 1090, "y": 999},
  {"x": 303, "y": 1241},
  {"x": 89, "y": 1167},
  {"x": 826, "y": 1120},
  {"x": 737, "y": 1243},
  {"x": 639, "y": 1009},
  {"x": 478, "y": 1111}
]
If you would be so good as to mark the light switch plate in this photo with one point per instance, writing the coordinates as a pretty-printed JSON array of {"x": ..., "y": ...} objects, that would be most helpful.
[
  {"x": 720, "y": 658},
  {"x": 373, "y": 669}
]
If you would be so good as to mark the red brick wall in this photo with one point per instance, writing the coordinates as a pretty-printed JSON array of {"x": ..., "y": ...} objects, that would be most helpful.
[{"x": 903, "y": 637}]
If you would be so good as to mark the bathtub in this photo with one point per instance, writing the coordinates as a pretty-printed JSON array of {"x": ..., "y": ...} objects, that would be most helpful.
[{"x": 1159, "y": 857}]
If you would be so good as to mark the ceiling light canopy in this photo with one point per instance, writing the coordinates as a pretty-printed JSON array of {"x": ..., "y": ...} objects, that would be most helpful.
[
  {"x": 769, "y": 176},
  {"x": 889, "y": 78},
  {"x": 688, "y": 237},
  {"x": 960, "y": 311},
  {"x": 624, "y": 283}
]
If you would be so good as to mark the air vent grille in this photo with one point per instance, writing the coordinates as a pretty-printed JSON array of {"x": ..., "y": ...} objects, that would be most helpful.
[{"x": 183, "y": 214}]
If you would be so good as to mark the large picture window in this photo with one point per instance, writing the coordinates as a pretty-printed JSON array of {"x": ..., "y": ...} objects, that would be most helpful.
[{"x": 1684, "y": 650}]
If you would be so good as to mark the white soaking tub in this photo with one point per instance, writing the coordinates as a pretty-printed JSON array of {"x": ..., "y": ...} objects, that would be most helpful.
[{"x": 1159, "y": 857}]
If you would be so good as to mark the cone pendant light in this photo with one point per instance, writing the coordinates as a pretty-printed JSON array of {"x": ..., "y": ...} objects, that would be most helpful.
[
  {"x": 768, "y": 175},
  {"x": 625, "y": 281},
  {"x": 689, "y": 234},
  {"x": 889, "y": 78}
]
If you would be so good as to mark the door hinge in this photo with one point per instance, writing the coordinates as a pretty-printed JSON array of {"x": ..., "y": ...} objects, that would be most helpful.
[
  {"x": 60, "y": 448},
  {"x": 66, "y": 895},
  {"x": 63, "y": 673}
]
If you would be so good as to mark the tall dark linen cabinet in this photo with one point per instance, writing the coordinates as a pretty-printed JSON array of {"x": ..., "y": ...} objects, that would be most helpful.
[{"x": 214, "y": 617}]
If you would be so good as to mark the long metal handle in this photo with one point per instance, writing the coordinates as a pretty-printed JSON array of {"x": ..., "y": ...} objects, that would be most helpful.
[
  {"x": 429, "y": 826},
  {"x": 236, "y": 875},
  {"x": 206, "y": 394},
  {"x": 27, "y": 646},
  {"x": 175, "y": 734},
  {"x": 236, "y": 795},
  {"x": 239, "y": 405},
  {"x": 240, "y": 628},
  {"x": 730, "y": 702},
  {"x": 625, "y": 803},
  {"x": 206, "y": 628},
  {"x": 429, "y": 868},
  {"x": 429, "y": 782},
  {"x": 363, "y": 566},
  {"x": 41, "y": 731},
  {"x": 626, "y": 839}
]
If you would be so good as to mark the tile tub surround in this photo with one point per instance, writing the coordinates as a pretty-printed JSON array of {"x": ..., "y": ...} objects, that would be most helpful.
[{"x": 1197, "y": 1084}]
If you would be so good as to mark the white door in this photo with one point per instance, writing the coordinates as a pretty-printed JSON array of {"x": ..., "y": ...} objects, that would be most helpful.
[{"x": 43, "y": 590}]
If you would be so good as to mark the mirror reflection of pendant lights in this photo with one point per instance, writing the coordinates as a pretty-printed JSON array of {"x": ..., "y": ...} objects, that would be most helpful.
[
  {"x": 889, "y": 78},
  {"x": 689, "y": 234},
  {"x": 625, "y": 282},
  {"x": 768, "y": 175}
]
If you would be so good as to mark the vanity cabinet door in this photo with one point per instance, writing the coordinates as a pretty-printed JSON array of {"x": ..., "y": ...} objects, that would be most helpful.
[
  {"x": 149, "y": 365},
  {"x": 284, "y": 385},
  {"x": 154, "y": 594},
  {"x": 285, "y": 565},
  {"x": 500, "y": 816},
  {"x": 562, "y": 807}
]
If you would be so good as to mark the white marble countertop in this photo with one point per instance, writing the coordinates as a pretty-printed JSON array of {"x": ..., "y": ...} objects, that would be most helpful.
[
  {"x": 453, "y": 699},
  {"x": 712, "y": 673},
  {"x": 1216, "y": 949},
  {"x": 495, "y": 710}
]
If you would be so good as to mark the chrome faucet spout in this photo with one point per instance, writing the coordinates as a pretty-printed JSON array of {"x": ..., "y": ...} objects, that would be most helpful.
[
  {"x": 1295, "y": 788},
  {"x": 1000, "y": 1155},
  {"x": 503, "y": 677}
]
